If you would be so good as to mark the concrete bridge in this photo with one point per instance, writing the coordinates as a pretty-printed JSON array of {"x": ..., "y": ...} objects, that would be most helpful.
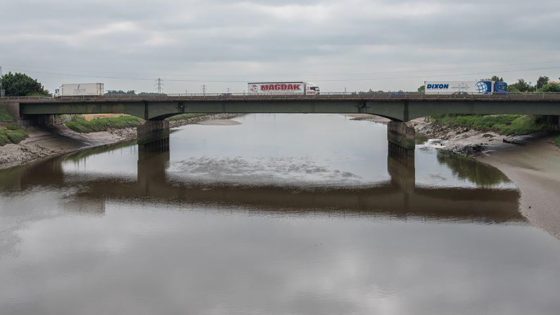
[{"x": 399, "y": 107}]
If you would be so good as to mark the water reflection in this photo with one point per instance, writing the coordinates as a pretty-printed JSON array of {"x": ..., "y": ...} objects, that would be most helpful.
[
  {"x": 398, "y": 197},
  {"x": 140, "y": 235},
  {"x": 469, "y": 169}
]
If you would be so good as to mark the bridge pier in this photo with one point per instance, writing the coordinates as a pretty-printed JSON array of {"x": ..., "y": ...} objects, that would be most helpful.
[
  {"x": 153, "y": 136},
  {"x": 400, "y": 157},
  {"x": 400, "y": 135}
]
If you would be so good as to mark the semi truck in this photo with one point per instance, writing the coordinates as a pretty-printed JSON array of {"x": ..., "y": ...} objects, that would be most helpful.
[
  {"x": 80, "y": 89},
  {"x": 282, "y": 88},
  {"x": 465, "y": 87}
]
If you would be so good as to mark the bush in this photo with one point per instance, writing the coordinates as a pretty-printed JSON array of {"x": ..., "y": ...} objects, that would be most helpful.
[
  {"x": 551, "y": 87},
  {"x": 79, "y": 124},
  {"x": 503, "y": 124},
  {"x": 5, "y": 115},
  {"x": 12, "y": 134}
]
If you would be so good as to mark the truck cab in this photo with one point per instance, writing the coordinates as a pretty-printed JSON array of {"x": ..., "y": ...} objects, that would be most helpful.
[{"x": 311, "y": 89}]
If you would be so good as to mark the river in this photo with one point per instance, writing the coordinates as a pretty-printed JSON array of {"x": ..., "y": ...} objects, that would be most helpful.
[{"x": 279, "y": 214}]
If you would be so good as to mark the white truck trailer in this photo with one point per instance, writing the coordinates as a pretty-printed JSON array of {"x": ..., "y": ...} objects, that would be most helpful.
[
  {"x": 282, "y": 88},
  {"x": 465, "y": 87},
  {"x": 81, "y": 89}
]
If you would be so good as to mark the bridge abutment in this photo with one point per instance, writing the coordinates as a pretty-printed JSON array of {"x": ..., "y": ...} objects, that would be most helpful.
[{"x": 153, "y": 136}]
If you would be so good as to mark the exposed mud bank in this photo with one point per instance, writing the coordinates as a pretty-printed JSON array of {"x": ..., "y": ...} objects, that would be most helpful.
[
  {"x": 532, "y": 162},
  {"x": 535, "y": 169}
]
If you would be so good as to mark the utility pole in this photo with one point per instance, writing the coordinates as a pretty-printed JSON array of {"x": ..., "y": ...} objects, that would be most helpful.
[
  {"x": 204, "y": 90},
  {"x": 159, "y": 85}
]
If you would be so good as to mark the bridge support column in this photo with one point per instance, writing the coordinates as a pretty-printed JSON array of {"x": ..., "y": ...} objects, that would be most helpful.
[
  {"x": 153, "y": 136},
  {"x": 401, "y": 135}
]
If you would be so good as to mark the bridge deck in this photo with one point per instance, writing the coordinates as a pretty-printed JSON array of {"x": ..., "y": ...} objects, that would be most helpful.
[{"x": 397, "y": 106}]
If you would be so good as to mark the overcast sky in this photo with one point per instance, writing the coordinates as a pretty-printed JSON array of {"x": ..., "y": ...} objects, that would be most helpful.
[{"x": 352, "y": 44}]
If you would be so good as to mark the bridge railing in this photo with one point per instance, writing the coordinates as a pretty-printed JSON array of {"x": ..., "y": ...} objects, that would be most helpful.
[{"x": 396, "y": 95}]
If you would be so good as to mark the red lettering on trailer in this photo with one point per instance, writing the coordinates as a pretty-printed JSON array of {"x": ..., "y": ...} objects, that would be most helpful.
[{"x": 280, "y": 87}]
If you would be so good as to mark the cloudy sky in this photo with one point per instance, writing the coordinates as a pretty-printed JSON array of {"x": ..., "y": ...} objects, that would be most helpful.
[{"x": 352, "y": 44}]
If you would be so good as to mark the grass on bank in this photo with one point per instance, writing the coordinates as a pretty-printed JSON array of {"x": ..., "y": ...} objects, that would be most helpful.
[
  {"x": 11, "y": 134},
  {"x": 79, "y": 124},
  {"x": 503, "y": 124},
  {"x": 5, "y": 115}
]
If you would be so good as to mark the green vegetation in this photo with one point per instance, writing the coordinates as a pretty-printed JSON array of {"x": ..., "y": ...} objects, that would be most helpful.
[
  {"x": 551, "y": 87},
  {"x": 79, "y": 124},
  {"x": 557, "y": 141},
  {"x": 11, "y": 134},
  {"x": 5, "y": 115},
  {"x": 131, "y": 93},
  {"x": 19, "y": 84},
  {"x": 503, "y": 124}
]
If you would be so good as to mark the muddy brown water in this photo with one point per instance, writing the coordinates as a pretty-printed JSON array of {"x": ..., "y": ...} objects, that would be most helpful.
[{"x": 280, "y": 214}]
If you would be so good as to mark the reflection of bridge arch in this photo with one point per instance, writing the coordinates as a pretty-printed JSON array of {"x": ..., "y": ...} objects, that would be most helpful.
[{"x": 398, "y": 198}]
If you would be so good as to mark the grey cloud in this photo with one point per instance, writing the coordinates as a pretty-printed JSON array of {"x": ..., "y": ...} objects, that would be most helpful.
[{"x": 319, "y": 39}]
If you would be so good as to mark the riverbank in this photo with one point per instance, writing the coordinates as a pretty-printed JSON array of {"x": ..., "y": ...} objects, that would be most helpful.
[
  {"x": 59, "y": 140},
  {"x": 532, "y": 162}
]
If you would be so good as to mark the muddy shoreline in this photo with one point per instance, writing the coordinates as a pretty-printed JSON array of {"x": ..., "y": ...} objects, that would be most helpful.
[
  {"x": 535, "y": 169},
  {"x": 532, "y": 162},
  {"x": 59, "y": 140}
]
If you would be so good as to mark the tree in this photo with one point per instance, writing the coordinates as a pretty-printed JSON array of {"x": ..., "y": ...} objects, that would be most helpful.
[
  {"x": 542, "y": 81},
  {"x": 120, "y": 92},
  {"x": 422, "y": 89},
  {"x": 551, "y": 87},
  {"x": 513, "y": 89},
  {"x": 522, "y": 86},
  {"x": 496, "y": 78},
  {"x": 151, "y": 94},
  {"x": 20, "y": 84}
]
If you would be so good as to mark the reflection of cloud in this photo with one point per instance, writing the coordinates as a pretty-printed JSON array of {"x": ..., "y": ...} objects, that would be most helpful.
[
  {"x": 259, "y": 171},
  {"x": 167, "y": 260},
  {"x": 19, "y": 210}
]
